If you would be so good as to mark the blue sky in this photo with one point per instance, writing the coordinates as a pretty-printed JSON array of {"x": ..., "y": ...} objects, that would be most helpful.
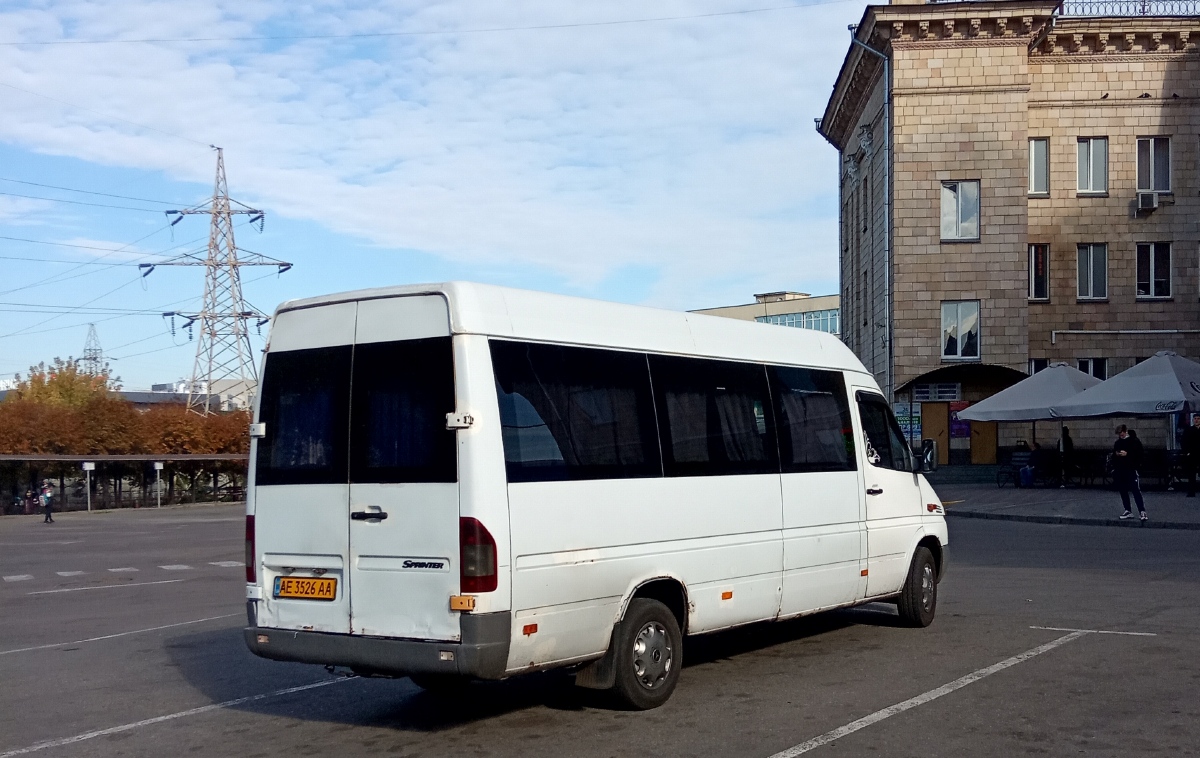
[{"x": 668, "y": 163}]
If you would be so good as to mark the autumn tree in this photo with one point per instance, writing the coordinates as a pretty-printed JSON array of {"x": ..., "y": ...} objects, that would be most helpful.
[{"x": 63, "y": 384}]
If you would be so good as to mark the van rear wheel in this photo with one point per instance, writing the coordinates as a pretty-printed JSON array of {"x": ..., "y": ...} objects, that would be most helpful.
[
  {"x": 918, "y": 599},
  {"x": 648, "y": 655}
]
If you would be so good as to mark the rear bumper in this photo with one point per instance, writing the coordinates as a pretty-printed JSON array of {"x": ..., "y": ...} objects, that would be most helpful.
[{"x": 482, "y": 653}]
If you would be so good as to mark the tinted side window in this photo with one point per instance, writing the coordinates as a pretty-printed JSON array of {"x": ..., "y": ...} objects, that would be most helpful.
[
  {"x": 402, "y": 392},
  {"x": 714, "y": 417},
  {"x": 815, "y": 433},
  {"x": 574, "y": 413},
  {"x": 885, "y": 444},
  {"x": 305, "y": 406}
]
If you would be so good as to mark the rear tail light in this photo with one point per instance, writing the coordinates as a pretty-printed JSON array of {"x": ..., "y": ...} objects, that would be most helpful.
[
  {"x": 477, "y": 557},
  {"x": 251, "y": 573}
]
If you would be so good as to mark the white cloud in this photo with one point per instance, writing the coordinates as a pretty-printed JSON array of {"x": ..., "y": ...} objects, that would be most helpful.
[{"x": 686, "y": 146}]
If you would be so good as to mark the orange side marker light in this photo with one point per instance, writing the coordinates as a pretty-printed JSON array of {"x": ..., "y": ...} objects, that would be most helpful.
[
  {"x": 529, "y": 629},
  {"x": 728, "y": 595}
]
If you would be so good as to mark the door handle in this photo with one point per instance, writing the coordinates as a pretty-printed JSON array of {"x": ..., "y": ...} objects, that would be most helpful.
[
  {"x": 874, "y": 490},
  {"x": 368, "y": 515}
]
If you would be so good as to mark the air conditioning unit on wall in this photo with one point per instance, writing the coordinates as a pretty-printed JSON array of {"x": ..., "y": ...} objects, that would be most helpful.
[{"x": 1147, "y": 201}]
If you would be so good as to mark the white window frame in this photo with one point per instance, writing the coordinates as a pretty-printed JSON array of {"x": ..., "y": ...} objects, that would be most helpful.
[
  {"x": 1149, "y": 248},
  {"x": 1088, "y": 366},
  {"x": 1150, "y": 142},
  {"x": 1032, "y": 291},
  {"x": 1091, "y": 278},
  {"x": 958, "y": 331},
  {"x": 1091, "y": 186},
  {"x": 1033, "y": 368},
  {"x": 1037, "y": 172},
  {"x": 952, "y": 192}
]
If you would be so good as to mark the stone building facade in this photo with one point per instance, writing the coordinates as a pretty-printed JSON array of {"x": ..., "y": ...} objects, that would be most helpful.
[{"x": 993, "y": 157}]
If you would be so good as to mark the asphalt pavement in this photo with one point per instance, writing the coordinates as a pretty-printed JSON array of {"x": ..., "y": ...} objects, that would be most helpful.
[
  {"x": 1069, "y": 505},
  {"x": 1050, "y": 640}
]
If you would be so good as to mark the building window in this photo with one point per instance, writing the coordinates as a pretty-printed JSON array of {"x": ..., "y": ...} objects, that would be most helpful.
[
  {"x": 822, "y": 321},
  {"x": 1038, "y": 364},
  {"x": 1039, "y": 272},
  {"x": 1097, "y": 367},
  {"x": 960, "y": 210},
  {"x": 935, "y": 393},
  {"x": 1154, "y": 269},
  {"x": 1093, "y": 272},
  {"x": 1154, "y": 164},
  {"x": 1039, "y": 166},
  {"x": 960, "y": 330},
  {"x": 1093, "y": 164}
]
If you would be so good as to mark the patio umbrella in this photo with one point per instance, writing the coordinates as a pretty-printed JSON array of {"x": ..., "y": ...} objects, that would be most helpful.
[
  {"x": 1160, "y": 385},
  {"x": 1031, "y": 399}
]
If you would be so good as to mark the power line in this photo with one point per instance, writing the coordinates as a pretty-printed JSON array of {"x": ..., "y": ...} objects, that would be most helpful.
[
  {"x": 103, "y": 115},
  {"x": 81, "y": 202},
  {"x": 376, "y": 35},
  {"x": 88, "y": 192},
  {"x": 68, "y": 244}
]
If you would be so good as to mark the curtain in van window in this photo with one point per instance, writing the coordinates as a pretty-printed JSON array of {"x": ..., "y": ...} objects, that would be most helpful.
[
  {"x": 885, "y": 444},
  {"x": 304, "y": 403},
  {"x": 574, "y": 413},
  {"x": 402, "y": 392},
  {"x": 813, "y": 413},
  {"x": 713, "y": 417}
]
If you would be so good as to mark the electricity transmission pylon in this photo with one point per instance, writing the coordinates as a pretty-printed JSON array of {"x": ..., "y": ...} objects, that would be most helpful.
[
  {"x": 92, "y": 361},
  {"x": 223, "y": 351}
]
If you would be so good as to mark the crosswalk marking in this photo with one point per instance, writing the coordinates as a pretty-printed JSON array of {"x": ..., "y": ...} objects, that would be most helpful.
[
  {"x": 226, "y": 564},
  {"x": 176, "y": 567},
  {"x": 18, "y": 577},
  {"x": 70, "y": 573},
  {"x": 122, "y": 570}
]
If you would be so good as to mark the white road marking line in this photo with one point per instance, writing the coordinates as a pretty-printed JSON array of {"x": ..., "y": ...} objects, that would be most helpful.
[
  {"x": 30, "y": 544},
  {"x": 227, "y": 564},
  {"x": 176, "y": 567},
  {"x": 70, "y": 573},
  {"x": 119, "y": 634},
  {"x": 18, "y": 578},
  {"x": 126, "y": 569},
  {"x": 169, "y": 717},
  {"x": 913, "y": 702},
  {"x": 1094, "y": 631},
  {"x": 103, "y": 587}
]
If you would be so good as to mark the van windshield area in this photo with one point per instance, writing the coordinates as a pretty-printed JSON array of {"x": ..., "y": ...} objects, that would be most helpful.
[{"x": 367, "y": 414}]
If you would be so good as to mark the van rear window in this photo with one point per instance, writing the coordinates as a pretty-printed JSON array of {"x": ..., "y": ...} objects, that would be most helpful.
[
  {"x": 402, "y": 393},
  {"x": 305, "y": 405}
]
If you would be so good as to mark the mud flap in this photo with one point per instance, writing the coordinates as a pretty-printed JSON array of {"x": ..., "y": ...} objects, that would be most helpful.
[{"x": 601, "y": 674}]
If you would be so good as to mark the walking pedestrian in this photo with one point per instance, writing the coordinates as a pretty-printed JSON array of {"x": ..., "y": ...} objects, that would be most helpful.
[
  {"x": 1191, "y": 453},
  {"x": 1066, "y": 455},
  {"x": 48, "y": 501},
  {"x": 1126, "y": 458}
]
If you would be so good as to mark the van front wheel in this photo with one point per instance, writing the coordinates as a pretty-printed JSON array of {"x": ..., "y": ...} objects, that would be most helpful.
[
  {"x": 648, "y": 656},
  {"x": 918, "y": 599}
]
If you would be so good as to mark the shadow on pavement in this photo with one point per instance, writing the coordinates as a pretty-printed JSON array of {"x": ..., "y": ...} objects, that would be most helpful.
[{"x": 218, "y": 664}]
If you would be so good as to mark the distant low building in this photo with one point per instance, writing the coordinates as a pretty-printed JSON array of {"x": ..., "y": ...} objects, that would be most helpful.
[
  {"x": 228, "y": 394},
  {"x": 143, "y": 400},
  {"x": 798, "y": 309}
]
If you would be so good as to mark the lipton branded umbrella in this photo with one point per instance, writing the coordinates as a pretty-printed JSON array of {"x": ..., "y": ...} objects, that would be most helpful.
[
  {"x": 1160, "y": 385},
  {"x": 1031, "y": 399}
]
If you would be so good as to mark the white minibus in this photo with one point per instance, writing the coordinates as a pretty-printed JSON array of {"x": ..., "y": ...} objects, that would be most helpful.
[{"x": 460, "y": 481}]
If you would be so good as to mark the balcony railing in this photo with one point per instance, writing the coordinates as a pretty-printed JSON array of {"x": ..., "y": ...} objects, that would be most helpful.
[{"x": 1131, "y": 8}]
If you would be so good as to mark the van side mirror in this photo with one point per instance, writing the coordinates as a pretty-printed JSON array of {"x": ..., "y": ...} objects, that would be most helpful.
[{"x": 929, "y": 456}]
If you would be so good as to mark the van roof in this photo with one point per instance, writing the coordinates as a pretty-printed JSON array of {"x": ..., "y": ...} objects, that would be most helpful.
[{"x": 541, "y": 316}]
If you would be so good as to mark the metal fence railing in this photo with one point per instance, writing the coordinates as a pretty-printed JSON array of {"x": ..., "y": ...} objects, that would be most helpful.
[{"x": 1086, "y": 8}]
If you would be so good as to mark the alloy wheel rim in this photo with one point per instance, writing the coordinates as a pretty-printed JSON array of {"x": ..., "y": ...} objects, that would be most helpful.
[
  {"x": 652, "y": 655},
  {"x": 927, "y": 587}
]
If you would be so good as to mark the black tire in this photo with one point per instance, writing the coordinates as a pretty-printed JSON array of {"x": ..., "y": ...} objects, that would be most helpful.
[
  {"x": 918, "y": 598},
  {"x": 441, "y": 684},
  {"x": 648, "y": 655}
]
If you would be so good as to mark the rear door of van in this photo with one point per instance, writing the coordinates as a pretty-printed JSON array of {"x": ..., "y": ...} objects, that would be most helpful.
[
  {"x": 356, "y": 498},
  {"x": 302, "y": 493},
  {"x": 404, "y": 499}
]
